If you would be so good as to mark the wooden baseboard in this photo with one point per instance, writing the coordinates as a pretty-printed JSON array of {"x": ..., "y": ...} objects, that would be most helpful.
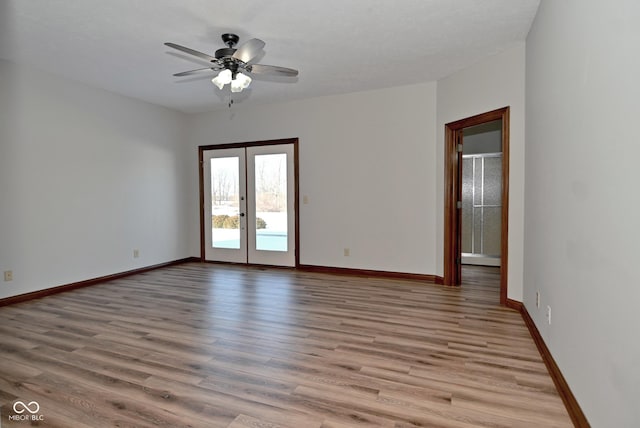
[
  {"x": 514, "y": 304},
  {"x": 68, "y": 287},
  {"x": 371, "y": 273},
  {"x": 570, "y": 402},
  {"x": 346, "y": 271}
]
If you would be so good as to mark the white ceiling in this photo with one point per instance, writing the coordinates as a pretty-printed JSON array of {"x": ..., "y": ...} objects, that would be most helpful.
[{"x": 338, "y": 46}]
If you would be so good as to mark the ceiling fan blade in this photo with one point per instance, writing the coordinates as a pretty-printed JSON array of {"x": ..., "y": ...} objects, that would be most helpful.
[
  {"x": 187, "y": 73},
  {"x": 272, "y": 69},
  {"x": 192, "y": 52},
  {"x": 249, "y": 50}
]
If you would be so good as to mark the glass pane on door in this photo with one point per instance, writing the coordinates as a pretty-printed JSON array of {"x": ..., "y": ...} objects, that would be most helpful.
[
  {"x": 225, "y": 202},
  {"x": 271, "y": 202}
]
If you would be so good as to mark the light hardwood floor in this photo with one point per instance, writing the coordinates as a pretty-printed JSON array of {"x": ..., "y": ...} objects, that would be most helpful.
[{"x": 205, "y": 345}]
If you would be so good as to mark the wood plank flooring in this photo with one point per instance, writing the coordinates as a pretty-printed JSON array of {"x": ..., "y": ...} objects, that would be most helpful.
[{"x": 205, "y": 345}]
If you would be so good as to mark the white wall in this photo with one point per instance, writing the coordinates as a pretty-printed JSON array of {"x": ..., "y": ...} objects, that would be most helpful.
[
  {"x": 86, "y": 176},
  {"x": 367, "y": 164},
  {"x": 582, "y": 200},
  {"x": 493, "y": 83}
]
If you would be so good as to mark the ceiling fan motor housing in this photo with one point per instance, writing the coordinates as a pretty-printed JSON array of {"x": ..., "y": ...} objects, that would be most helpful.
[{"x": 225, "y": 52}]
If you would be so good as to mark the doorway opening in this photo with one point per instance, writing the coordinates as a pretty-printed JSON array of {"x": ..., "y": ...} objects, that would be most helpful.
[
  {"x": 481, "y": 194},
  {"x": 249, "y": 203},
  {"x": 472, "y": 231}
]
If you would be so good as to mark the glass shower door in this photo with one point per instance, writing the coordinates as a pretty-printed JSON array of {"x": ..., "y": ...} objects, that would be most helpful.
[{"x": 482, "y": 208}]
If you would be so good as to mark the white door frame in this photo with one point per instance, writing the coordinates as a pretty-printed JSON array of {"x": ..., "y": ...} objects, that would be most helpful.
[{"x": 263, "y": 257}]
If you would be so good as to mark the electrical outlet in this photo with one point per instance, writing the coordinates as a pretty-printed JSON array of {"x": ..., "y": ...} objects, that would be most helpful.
[
  {"x": 549, "y": 315},
  {"x": 347, "y": 252},
  {"x": 8, "y": 275},
  {"x": 136, "y": 253},
  {"x": 537, "y": 299}
]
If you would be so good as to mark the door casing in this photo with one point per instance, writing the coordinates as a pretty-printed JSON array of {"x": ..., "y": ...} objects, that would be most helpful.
[
  {"x": 296, "y": 209},
  {"x": 453, "y": 194}
]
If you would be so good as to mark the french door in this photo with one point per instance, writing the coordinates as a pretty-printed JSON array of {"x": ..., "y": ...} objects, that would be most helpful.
[{"x": 249, "y": 204}]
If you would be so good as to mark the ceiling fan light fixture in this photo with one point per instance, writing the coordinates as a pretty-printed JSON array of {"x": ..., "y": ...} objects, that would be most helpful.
[
  {"x": 222, "y": 78},
  {"x": 241, "y": 82}
]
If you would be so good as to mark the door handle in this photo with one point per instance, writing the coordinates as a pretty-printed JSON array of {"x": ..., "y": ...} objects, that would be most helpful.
[{"x": 241, "y": 214}]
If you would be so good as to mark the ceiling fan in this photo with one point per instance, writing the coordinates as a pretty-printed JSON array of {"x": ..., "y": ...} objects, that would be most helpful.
[{"x": 234, "y": 63}]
